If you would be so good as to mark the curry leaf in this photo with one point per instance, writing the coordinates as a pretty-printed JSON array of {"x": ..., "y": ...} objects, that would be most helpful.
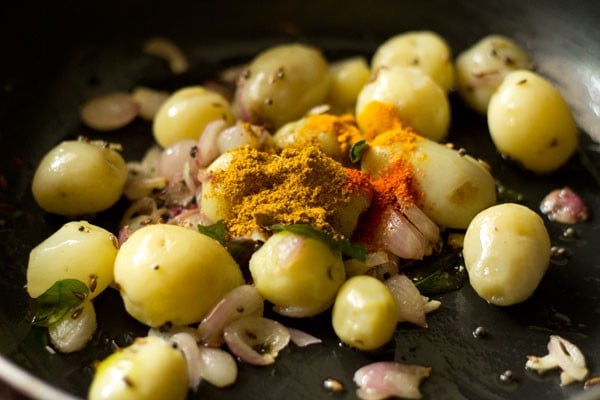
[
  {"x": 442, "y": 281},
  {"x": 343, "y": 245},
  {"x": 61, "y": 298},
  {"x": 217, "y": 231},
  {"x": 357, "y": 150}
]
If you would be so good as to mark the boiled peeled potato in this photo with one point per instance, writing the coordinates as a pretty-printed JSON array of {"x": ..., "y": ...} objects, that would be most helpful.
[
  {"x": 418, "y": 100},
  {"x": 530, "y": 122},
  {"x": 481, "y": 68},
  {"x": 454, "y": 187},
  {"x": 78, "y": 250},
  {"x": 506, "y": 252},
  {"x": 425, "y": 50},
  {"x": 171, "y": 274}
]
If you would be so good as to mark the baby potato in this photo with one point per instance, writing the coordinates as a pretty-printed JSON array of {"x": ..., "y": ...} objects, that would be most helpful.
[
  {"x": 425, "y": 50},
  {"x": 185, "y": 114},
  {"x": 298, "y": 274},
  {"x": 148, "y": 369},
  {"x": 419, "y": 101},
  {"x": 348, "y": 77},
  {"x": 78, "y": 250},
  {"x": 454, "y": 187},
  {"x": 299, "y": 134},
  {"x": 506, "y": 252},
  {"x": 281, "y": 84},
  {"x": 481, "y": 68},
  {"x": 168, "y": 273},
  {"x": 79, "y": 177},
  {"x": 364, "y": 313},
  {"x": 531, "y": 123},
  {"x": 216, "y": 204}
]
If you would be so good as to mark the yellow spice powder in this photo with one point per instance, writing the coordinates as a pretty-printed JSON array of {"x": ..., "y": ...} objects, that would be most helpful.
[{"x": 295, "y": 186}]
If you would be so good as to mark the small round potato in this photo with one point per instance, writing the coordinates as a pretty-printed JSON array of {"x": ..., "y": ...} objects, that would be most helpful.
[
  {"x": 281, "y": 84},
  {"x": 419, "y": 101},
  {"x": 216, "y": 203},
  {"x": 149, "y": 369},
  {"x": 299, "y": 134},
  {"x": 506, "y": 252},
  {"x": 454, "y": 187},
  {"x": 168, "y": 273},
  {"x": 78, "y": 250},
  {"x": 348, "y": 77},
  {"x": 185, "y": 114},
  {"x": 78, "y": 178},
  {"x": 481, "y": 68},
  {"x": 365, "y": 313},
  {"x": 531, "y": 123},
  {"x": 299, "y": 275},
  {"x": 425, "y": 50}
]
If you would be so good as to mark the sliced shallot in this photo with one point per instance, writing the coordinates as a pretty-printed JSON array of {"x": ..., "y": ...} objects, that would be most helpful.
[
  {"x": 243, "y": 301},
  {"x": 109, "y": 112},
  {"x": 149, "y": 101},
  {"x": 174, "y": 158},
  {"x": 396, "y": 234},
  {"x": 385, "y": 379},
  {"x": 208, "y": 149},
  {"x": 169, "y": 51},
  {"x": 564, "y": 206},
  {"x": 301, "y": 338},
  {"x": 256, "y": 340},
  {"x": 217, "y": 367},
  {"x": 188, "y": 346},
  {"x": 422, "y": 222},
  {"x": 410, "y": 303},
  {"x": 564, "y": 355}
]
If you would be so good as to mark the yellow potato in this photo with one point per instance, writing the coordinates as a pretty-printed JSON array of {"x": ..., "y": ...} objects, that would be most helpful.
[
  {"x": 454, "y": 187},
  {"x": 281, "y": 84},
  {"x": 348, "y": 77},
  {"x": 167, "y": 273},
  {"x": 506, "y": 252},
  {"x": 78, "y": 250},
  {"x": 216, "y": 204},
  {"x": 481, "y": 68},
  {"x": 78, "y": 177},
  {"x": 149, "y": 369},
  {"x": 297, "y": 274},
  {"x": 293, "y": 135},
  {"x": 185, "y": 114},
  {"x": 365, "y": 313},
  {"x": 531, "y": 123},
  {"x": 418, "y": 100},
  {"x": 425, "y": 50}
]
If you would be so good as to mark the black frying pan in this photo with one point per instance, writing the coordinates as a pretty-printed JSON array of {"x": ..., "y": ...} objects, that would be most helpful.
[{"x": 57, "y": 55}]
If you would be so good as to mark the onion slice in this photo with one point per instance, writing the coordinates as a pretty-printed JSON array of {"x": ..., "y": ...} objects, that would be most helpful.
[
  {"x": 208, "y": 148},
  {"x": 422, "y": 222},
  {"x": 169, "y": 51},
  {"x": 256, "y": 340},
  {"x": 385, "y": 379},
  {"x": 301, "y": 338},
  {"x": 564, "y": 206},
  {"x": 149, "y": 101},
  {"x": 188, "y": 346},
  {"x": 217, "y": 367},
  {"x": 109, "y": 112},
  {"x": 398, "y": 235},
  {"x": 410, "y": 303},
  {"x": 243, "y": 301},
  {"x": 564, "y": 355}
]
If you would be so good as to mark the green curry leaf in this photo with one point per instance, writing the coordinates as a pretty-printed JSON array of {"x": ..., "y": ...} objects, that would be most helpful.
[
  {"x": 217, "y": 231},
  {"x": 60, "y": 299},
  {"x": 357, "y": 150}
]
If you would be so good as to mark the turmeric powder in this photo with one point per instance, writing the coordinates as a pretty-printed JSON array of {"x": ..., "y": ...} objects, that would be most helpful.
[{"x": 295, "y": 186}]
